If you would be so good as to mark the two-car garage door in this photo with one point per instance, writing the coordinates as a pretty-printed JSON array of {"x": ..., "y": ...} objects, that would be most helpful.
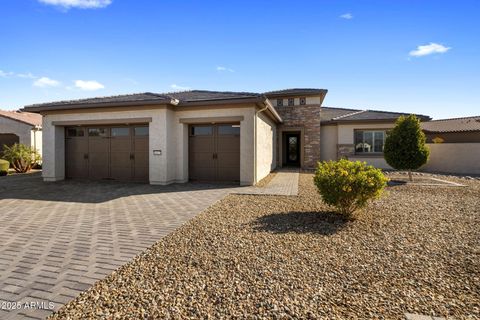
[{"x": 107, "y": 152}]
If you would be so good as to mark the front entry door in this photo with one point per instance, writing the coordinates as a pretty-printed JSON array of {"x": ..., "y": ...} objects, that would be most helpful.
[
  {"x": 292, "y": 149},
  {"x": 214, "y": 153}
]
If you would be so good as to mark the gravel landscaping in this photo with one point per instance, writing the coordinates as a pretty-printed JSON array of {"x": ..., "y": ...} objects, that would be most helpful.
[{"x": 415, "y": 250}]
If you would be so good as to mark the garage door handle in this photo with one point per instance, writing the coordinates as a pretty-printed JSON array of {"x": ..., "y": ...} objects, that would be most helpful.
[
  {"x": 132, "y": 156},
  {"x": 215, "y": 156},
  {"x": 85, "y": 156}
]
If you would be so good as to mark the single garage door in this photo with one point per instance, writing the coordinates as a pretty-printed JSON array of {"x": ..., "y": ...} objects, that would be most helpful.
[
  {"x": 107, "y": 152},
  {"x": 214, "y": 153},
  {"x": 8, "y": 139}
]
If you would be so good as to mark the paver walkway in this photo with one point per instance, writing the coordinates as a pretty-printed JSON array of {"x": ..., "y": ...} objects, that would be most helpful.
[
  {"x": 57, "y": 239},
  {"x": 285, "y": 183}
]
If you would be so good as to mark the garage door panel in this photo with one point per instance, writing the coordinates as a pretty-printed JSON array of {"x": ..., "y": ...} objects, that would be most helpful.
[
  {"x": 228, "y": 174},
  {"x": 202, "y": 173},
  {"x": 202, "y": 144},
  {"x": 229, "y": 159},
  {"x": 228, "y": 144},
  {"x": 8, "y": 139}
]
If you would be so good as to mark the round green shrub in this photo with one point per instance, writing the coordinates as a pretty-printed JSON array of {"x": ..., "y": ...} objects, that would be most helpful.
[
  {"x": 348, "y": 185},
  {"x": 4, "y": 165}
]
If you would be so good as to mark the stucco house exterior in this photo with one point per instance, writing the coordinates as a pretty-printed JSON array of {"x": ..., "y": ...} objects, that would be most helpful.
[
  {"x": 20, "y": 127},
  {"x": 200, "y": 135}
]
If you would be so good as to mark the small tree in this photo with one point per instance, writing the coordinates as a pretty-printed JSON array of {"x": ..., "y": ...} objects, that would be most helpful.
[
  {"x": 405, "y": 147},
  {"x": 348, "y": 185},
  {"x": 22, "y": 157}
]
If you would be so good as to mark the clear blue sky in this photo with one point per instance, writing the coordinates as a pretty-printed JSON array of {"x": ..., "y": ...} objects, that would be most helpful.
[{"x": 366, "y": 53}]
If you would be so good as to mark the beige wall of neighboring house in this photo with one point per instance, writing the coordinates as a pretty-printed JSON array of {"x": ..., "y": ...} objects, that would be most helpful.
[
  {"x": 22, "y": 130},
  {"x": 461, "y": 158}
]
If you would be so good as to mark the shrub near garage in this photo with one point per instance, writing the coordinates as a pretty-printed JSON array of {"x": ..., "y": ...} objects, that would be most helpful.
[
  {"x": 22, "y": 157},
  {"x": 4, "y": 165},
  {"x": 348, "y": 185}
]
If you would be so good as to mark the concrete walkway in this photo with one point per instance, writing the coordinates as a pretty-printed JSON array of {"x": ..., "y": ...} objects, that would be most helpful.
[{"x": 285, "y": 183}]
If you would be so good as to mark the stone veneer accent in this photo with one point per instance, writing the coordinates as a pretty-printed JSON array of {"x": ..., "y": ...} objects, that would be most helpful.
[
  {"x": 308, "y": 118},
  {"x": 345, "y": 151}
]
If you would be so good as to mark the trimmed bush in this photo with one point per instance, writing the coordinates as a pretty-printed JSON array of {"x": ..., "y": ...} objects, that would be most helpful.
[
  {"x": 22, "y": 157},
  {"x": 348, "y": 185},
  {"x": 405, "y": 147},
  {"x": 4, "y": 165}
]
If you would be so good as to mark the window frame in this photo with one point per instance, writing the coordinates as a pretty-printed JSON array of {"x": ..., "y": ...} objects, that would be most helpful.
[
  {"x": 372, "y": 131},
  {"x": 280, "y": 102},
  {"x": 291, "y": 102}
]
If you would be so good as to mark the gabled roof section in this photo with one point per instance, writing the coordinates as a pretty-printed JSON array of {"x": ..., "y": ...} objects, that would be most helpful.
[
  {"x": 453, "y": 125},
  {"x": 296, "y": 92},
  {"x": 338, "y": 115},
  {"x": 29, "y": 118}
]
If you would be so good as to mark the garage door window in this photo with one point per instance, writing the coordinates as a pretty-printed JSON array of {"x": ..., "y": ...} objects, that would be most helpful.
[
  {"x": 97, "y": 132},
  {"x": 75, "y": 132},
  {"x": 120, "y": 132},
  {"x": 231, "y": 130},
  {"x": 141, "y": 131},
  {"x": 201, "y": 131}
]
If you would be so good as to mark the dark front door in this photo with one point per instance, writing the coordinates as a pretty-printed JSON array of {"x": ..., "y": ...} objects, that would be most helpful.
[
  {"x": 113, "y": 152},
  {"x": 292, "y": 149},
  {"x": 214, "y": 153}
]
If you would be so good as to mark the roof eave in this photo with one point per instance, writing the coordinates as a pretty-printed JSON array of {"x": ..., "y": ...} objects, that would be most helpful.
[
  {"x": 304, "y": 94},
  {"x": 47, "y": 107}
]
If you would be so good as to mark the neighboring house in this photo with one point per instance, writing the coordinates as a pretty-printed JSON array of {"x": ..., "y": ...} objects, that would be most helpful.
[
  {"x": 204, "y": 135},
  {"x": 20, "y": 127},
  {"x": 454, "y": 145},
  {"x": 356, "y": 134}
]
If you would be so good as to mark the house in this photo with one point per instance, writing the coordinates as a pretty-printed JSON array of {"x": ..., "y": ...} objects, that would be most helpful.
[
  {"x": 454, "y": 145},
  {"x": 204, "y": 135},
  {"x": 357, "y": 134},
  {"x": 20, "y": 127}
]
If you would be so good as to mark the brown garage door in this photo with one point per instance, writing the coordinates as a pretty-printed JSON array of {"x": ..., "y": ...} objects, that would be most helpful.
[
  {"x": 214, "y": 152},
  {"x": 8, "y": 139},
  {"x": 113, "y": 152}
]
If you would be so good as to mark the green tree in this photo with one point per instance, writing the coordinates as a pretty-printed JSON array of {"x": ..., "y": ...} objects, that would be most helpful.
[
  {"x": 22, "y": 157},
  {"x": 405, "y": 147}
]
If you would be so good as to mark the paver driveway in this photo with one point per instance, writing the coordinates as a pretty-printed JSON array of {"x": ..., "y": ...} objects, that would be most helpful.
[{"x": 57, "y": 239}]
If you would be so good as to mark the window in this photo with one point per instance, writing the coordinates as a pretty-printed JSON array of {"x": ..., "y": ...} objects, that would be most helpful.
[
  {"x": 97, "y": 132},
  {"x": 141, "y": 131},
  {"x": 75, "y": 132},
  {"x": 233, "y": 130},
  {"x": 201, "y": 131},
  {"x": 303, "y": 101},
  {"x": 291, "y": 101},
  {"x": 368, "y": 141},
  {"x": 120, "y": 132},
  {"x": 279, "y": 102}
]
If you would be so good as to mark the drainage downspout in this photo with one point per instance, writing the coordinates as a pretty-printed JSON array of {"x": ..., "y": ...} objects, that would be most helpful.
[{"x": 255, "y": 142}]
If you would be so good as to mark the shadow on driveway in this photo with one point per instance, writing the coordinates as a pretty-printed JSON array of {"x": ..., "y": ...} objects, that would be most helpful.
[
  {"x": 324, "y": 222},
  {"x": 32, "y": 187}
]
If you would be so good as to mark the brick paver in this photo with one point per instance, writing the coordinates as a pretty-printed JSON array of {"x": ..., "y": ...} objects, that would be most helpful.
[
  {"x": 285, "y": 183},
  {"x": 57, "y": 239}
]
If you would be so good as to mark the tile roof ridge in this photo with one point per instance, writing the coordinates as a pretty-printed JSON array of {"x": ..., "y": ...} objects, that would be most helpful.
[{"x": 349, "y": 114}]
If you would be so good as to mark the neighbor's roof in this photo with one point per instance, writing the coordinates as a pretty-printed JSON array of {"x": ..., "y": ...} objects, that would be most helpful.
[
  {"x": 453, "y": 125},
  {"x": 334, "y": 115},
  {"x": 295, "y": 92},
  {"x": 33, "y": 119}
]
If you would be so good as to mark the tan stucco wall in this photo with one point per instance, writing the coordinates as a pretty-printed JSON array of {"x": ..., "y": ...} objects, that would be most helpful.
[
  {"x": 460, "y": 158},
  {"x": 36, "y": 140},
  {"x": 22, "y": 130},
  {"x": 266, "y": 146},
  {"x": 328, "y": 142}
]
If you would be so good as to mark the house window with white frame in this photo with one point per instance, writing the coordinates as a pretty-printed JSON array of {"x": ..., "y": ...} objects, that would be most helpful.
[{"x": 369, "y": 141}]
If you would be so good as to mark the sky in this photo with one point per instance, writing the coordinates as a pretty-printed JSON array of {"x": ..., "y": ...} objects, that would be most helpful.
[{"x": 407, "y": 56}]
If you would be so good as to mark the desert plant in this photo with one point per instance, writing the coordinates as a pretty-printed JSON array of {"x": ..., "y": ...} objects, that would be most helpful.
[
  {"x": 22, "y": 157},
  {"x": 405, "y": 147},
  {"x": 348, "y": 185}
]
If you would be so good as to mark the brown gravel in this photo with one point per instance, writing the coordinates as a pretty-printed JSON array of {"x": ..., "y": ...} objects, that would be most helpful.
[
  {"x": 415, "y": 250},
  {"x": 266, "y": 180}
]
